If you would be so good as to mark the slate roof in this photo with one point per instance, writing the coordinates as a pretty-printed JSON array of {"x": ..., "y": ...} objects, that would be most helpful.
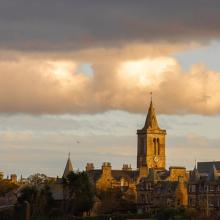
[
  {"x": 157, "y": 175},
  {"x": 94, "y": 174},
  {"x": 161, "y": 187},
  {"x": 127, "y": 174},
  {"x": 205, "y": 171},
  {"x": 206, "y": 167}
]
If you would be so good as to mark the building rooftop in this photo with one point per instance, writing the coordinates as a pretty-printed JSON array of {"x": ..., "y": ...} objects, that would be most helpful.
[{"x": 206, "y": 167}]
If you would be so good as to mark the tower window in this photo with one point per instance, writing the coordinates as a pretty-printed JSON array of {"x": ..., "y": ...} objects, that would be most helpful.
[
  {"x": 156, "y": 142},
  {"x": 158, "y": 146},
  {"x": 155, "y": 146}
]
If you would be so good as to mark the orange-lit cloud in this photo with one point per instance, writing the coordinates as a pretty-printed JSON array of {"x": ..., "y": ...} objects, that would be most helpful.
[{"x": 47, "y": 84}]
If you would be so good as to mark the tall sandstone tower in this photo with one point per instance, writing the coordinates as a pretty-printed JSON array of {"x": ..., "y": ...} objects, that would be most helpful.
[{"x": 151, "y": 143}]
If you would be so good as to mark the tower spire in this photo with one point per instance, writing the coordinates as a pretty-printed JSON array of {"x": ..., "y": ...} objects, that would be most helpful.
[
  {"x": 151, "y": 120},
  {"x": 68, "y": 168}
]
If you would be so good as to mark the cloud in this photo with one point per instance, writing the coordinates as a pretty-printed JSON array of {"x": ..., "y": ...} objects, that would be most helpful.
[
  {"x": 184, "y": 150},
  {"x": 14, "y": 137},
  {"x": 68, "y": 25},
  {"x": 41, "y": 84},
  {"x": 129, "y": 47}
]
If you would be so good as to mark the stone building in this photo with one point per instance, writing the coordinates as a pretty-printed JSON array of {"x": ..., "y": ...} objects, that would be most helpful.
[
  {"x": 162, "y": 188},
  {"x": 204, "y": 188},
  {"x": 150, "y": 154},
  {"x": 152, "y": 185},
  {"x": 8, "y": 189},
  {"x": 151, "y": 143},
  {"x": 12, "y": 179},
  {"x": 159, "y": 187},
  {"x": 107, "y": 178}
]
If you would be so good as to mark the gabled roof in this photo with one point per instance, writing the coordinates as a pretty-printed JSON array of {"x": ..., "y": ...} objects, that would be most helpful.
[
  {"x": 151, "y": 120},
  {"x": 68, "y": 168},
  {"x": 94, "y": 174}
]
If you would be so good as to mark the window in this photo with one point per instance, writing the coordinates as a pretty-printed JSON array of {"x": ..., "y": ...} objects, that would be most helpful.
[
  {"x": 201, "y": 189},
  {"x": 156, "y": 142},
  {"x": 192, "y": 202},
  {"x": 206, "y": 188},
  {"x": 211, "y": 203},
  {"x": 146, "y": 186},
  {"x": 158, "y": 146},
  {"x": 211, "y": 188},
  {"x": 143, "y": 200},
  {"x": 155, "y": 146},
  {"x": 193, "y": 188}
]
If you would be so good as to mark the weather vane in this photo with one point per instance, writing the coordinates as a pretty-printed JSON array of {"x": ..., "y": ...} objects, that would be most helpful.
[{"x": 151, "y": 95}]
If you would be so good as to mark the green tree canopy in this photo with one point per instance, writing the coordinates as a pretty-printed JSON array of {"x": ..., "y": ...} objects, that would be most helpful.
[
  {"x": 40, "y": 199},
  {"x": 79, "y": 193}
]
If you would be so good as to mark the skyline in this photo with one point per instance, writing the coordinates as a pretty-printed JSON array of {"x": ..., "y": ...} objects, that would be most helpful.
[
  {"x": 76, "y": 77},
  {"x": 183, "y": 133}
]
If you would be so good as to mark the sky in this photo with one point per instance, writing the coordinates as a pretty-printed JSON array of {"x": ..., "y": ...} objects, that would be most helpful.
[{"x": 76, "y": 76}]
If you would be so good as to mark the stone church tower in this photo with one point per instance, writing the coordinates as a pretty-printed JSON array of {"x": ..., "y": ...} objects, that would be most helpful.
[{"x": 151, "y": 143}]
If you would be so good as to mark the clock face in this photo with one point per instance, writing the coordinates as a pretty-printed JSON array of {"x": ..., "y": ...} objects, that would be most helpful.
[{"x": 156, "y": 159}]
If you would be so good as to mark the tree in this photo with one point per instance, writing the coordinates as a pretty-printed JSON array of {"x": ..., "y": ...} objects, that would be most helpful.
[
  {"x": 7, "y": 186},
  {"x": 38, "y": 178},
  {"x": 114, "y": 200},
  {"x": 79, "y": 193},
  {"x": 28, "y": 193},
  {"x": 40, "y": 199}
]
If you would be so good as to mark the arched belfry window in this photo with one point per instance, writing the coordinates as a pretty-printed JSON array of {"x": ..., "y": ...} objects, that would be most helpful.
[
  {"x": 158, "y": 146},
  {"x": 155, "y": 146}
]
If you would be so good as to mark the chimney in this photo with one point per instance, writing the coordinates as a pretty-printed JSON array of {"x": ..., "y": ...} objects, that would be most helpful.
[
  {"x": 1, "y": 176},
  {"x": 13, "y": 178},
  {"x": 106, "y": 168},
  {"x": 89, "y": 167},
  {"x": 127, "y": 167}
]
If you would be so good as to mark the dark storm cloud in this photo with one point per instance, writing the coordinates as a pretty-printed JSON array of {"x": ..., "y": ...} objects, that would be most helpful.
[{"x": 55, "y": 24}]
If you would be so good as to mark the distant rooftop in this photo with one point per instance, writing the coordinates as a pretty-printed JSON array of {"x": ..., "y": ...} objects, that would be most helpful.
[{"x": 206, "y": 167}]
